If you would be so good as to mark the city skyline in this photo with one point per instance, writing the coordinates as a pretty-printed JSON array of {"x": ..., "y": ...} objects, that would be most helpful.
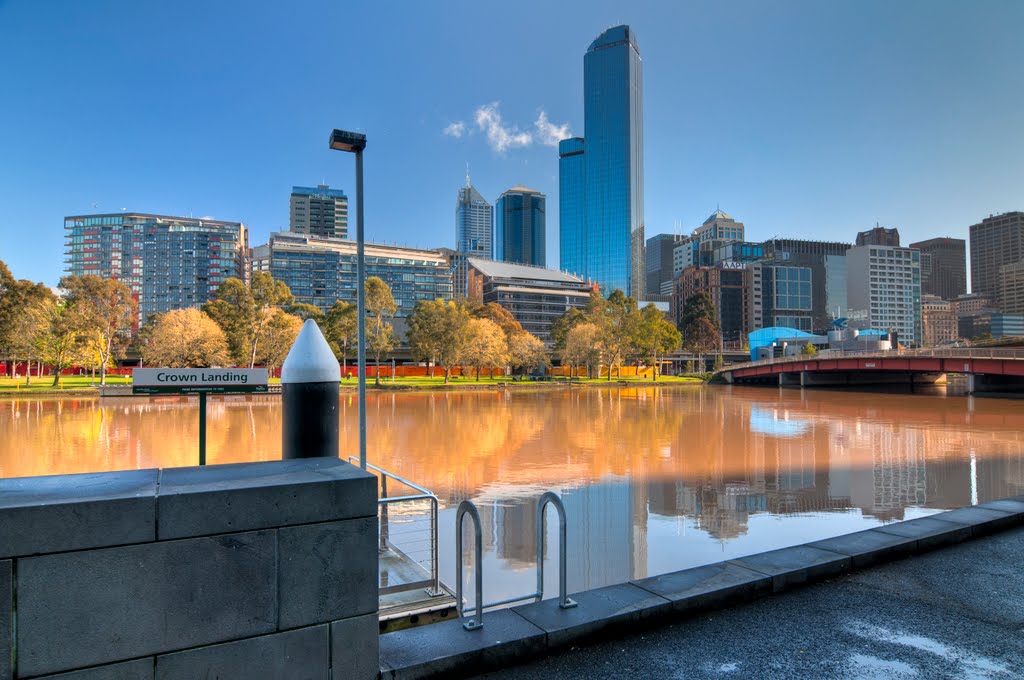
[{"x": 821, "y": 137}]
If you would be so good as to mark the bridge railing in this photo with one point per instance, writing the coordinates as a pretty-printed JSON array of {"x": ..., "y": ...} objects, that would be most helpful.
[{"x": 935, "y": 352}]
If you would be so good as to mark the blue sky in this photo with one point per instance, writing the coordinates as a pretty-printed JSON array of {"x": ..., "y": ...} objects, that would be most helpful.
[{"x": 805, "y": 119}]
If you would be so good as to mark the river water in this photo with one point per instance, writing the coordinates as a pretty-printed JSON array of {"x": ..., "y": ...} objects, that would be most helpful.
[{"x": 653, "y": 480}]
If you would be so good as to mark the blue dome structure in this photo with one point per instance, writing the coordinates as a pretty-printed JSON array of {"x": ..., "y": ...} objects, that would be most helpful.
[{"x": 765, "y": 337}]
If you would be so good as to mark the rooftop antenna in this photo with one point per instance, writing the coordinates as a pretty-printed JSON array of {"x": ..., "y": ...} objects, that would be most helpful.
[{"x": 467, "y": 175}]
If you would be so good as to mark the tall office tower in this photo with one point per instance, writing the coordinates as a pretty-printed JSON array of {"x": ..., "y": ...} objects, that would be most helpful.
[
  {"x": 730, "y": 292},
  {"x": 611, "y": 183},
  {"x": 879, "y": 236},
  {"x": 168, "y": 262},
  {"x": 318, "y": 211},
  {"x": 943, "y": 267},
  {"x": 474, "y": 221},
  {"x": 1011, "y": 287},
  {"x": 519, "y": 227},
  {"x": 884, "y": 289},
  {"x": 572, "y": 228},
  {"x": 995, "y": 241},
  {"x": 659, "y": 253}
]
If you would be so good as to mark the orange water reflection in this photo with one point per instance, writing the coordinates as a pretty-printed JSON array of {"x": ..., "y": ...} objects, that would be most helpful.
[{"x": 653, "y": 480}]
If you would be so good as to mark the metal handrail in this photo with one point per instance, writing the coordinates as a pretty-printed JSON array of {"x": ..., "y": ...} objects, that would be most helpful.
[
  {"x": 467, "y": 507},
  {"x": 551, "y": 498},
  {"x": 434, "y": 583}
]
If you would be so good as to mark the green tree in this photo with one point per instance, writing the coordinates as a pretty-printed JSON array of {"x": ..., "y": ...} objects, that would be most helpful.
[
  {"x": 184, "y": 338},
  {"x": 380, "y": 309},
  {"x": 499, "y": 315},
  {"x": 22, "y": 318},
  {"x": 616, "y": 318},
  {"x": 526, "y": 351},
  {"x": 340, "y": 328},
  {"x": 59, "y": 338},
  {"x": 281, "y": 330},
  {"x": 242, "y": 312},
  {"x": 107, "y": 311},
  {"x": 699, "y": 325},
  {"x": 307, "y": 311},
  {"x": 486, "y": 345},
  {"x": 437, "y": 334},
  {"x": 573, "y": 317},
  {"x": 655, "y": 337},
  {"x": 583, "y": 348}
]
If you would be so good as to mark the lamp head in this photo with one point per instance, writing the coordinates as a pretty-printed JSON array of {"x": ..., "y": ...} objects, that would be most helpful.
[{"x": 342, "y": 140}]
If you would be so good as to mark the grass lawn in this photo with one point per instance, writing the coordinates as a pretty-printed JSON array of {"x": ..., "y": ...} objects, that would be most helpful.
[{"x": 67, "y": 382}]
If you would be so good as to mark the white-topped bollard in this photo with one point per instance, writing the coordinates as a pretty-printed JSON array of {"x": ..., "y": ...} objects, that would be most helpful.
[{"x": 309, "y": 394}]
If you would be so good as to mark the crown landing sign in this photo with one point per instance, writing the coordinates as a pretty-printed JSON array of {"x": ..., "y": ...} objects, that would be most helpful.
[{"x": 199, "y": 380}]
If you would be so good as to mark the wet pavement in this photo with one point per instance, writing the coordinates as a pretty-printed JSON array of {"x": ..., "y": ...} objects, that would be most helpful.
[{"x": 954, "y": 613}]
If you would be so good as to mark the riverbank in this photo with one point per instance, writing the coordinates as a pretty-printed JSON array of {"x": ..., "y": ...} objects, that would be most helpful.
[{"x": 78, "y": 386}]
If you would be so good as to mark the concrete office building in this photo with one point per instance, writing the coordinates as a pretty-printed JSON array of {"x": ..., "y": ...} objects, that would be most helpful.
[
  {"x": 519, "y": 227},
  {"x": 884, "y": 289},
  {"x": 321, "y": 271},
  {"x": 168, "y": 262},
  {"x": 938, "y": 321},
  {"x": 943, "y": 267},
  {"x": 601, "y": 175},
  {"x": 318, "y": 211},
  {"x": 1011, "y": 288},
  {"x": 995, "y": 241},
  {"x": 879, "y": 236},
  {"x": 535, "y": 296},
  {"x": 474, "y": 222}
]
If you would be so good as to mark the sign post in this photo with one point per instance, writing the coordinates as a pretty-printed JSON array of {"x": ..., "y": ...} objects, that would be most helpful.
[{"x": 200, "y": 381}]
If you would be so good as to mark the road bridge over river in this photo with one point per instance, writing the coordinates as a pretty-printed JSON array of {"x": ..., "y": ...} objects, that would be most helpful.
[{"x": 987, "y": 370}]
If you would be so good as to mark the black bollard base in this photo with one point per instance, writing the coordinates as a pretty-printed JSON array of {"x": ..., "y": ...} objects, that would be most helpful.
[{"x": 309, "y": 423}]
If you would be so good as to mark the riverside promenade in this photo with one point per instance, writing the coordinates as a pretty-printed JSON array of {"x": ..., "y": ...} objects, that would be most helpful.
[
  {"x": 831, "y": 608},
  {"x": 957, "y": 612}
]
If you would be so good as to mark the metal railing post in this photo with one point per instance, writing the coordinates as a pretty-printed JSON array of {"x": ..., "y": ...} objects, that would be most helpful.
[
  {"x": 552, "y": 498},
  {"x": 467, "y": 508},
  {"x": 384, "y": 512},
  {"x": 436, "y": 588}
]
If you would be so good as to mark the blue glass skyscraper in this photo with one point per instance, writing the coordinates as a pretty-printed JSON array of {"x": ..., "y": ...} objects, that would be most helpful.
[
  {"x": 603, "y": 225},
  {"x": 519, "y": 227}
]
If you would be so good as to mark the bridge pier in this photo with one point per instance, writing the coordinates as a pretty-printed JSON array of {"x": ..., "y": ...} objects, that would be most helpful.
[{"x": 984, "y": 383}]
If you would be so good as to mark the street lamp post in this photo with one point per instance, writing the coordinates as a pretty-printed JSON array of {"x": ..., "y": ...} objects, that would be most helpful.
[{"x": 355, "y": 142}]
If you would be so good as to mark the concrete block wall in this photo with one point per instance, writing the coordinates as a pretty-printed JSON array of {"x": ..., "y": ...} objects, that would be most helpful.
[{"x": 255, "y": 570}]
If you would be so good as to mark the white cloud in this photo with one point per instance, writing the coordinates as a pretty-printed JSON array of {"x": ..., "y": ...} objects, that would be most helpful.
[
  {"x": 500, "y": 136},
  {"x": 456, "y": 129},
  {"x": 548, "y": 133}
]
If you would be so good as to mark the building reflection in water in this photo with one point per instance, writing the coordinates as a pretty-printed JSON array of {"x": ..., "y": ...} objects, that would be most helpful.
[{"x": 652, "y": 480}]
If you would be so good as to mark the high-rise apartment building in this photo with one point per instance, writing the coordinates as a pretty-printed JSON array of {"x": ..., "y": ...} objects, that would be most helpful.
[
  {"x": 879, "y": 236},
  {"x": 601, "y": 175},
  {"x": 474, "y": 222},
  {"x": 519, "y": 227},
  {"x": 168, "y": 262},
  {"x": 995, "y": 241},
  {"x": 943, "y": 267},
  {"x": 884, "y": 289},
  {"x": 318, "y": 211},
  {"x": 322, "y": 271}
]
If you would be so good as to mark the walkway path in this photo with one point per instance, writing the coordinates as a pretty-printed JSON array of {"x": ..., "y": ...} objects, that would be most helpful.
[{"x": 954, "y": 613}]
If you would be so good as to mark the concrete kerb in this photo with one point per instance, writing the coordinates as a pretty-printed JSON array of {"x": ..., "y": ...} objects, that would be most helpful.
[{"x": 526, "y": 632}]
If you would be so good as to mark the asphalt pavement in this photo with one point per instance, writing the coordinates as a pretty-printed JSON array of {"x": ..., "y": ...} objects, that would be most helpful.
[{"x": 957, "y": 612}]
